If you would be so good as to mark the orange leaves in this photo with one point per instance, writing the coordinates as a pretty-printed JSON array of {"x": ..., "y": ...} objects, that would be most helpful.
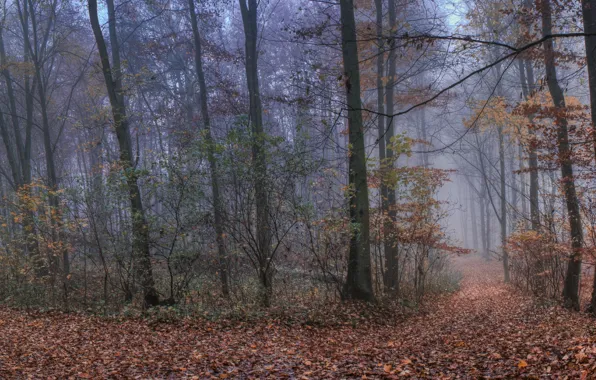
[
  {"x": 485, "y": 330},
  {"x": 495, "y": 112}
]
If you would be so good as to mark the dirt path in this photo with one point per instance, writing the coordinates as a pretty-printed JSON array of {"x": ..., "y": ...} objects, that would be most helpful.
[{"x": 484, "y": 330}]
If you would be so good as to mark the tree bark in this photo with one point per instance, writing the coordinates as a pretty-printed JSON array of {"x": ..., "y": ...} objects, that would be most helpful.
[
  {"x": 526, "y": 74},
  {"x": 572, "y": 277},
  {"x": 472, "y": 200},
  {"x": 265, "y": 269},
  {"x": 391, "y": 252},
  {"x": 589, "y": 18},
  {"x": 217, "y": 201},
  {"x": 36, "y": 52},
  {"x": 483, "y": 225},
  {"x": 388, "y": 274},
  {"x": 13, "y": 160},
  {"x": 359, "y": 279},
  {"x": 503, "y": 199},
  {"x": 112, "y": 78}
]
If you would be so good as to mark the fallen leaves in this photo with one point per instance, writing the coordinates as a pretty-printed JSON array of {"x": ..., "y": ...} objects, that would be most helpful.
[{"x": 485, "y": 330}]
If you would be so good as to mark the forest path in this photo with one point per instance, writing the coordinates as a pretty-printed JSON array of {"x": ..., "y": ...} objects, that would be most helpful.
[{"x": 484, "y": 330}]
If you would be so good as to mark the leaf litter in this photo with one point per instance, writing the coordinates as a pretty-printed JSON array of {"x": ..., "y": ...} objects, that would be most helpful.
[{"x": 485, "y": 330}]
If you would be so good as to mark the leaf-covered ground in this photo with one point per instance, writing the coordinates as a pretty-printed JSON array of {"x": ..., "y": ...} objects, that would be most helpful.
[{"x": 484, "y": 330}]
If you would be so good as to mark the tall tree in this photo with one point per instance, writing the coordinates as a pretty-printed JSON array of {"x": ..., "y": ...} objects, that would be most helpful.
[
  {"x": 248, "y": 8},
  {"x": 503, "y": 203},
  {"x": 391, "y": 252},
  {"x": 589, "y": 18},
  {"x": 526, "y": 73},
  {"x": 217, "y": 201},
  {"x": 359, "y": 279},
  {"x": 113, "y": 81},
  {"x": 36, "y": 48},
  {"x": 383, "y": 164},
  {"x": 528, "y": 85},
  {"x": 571, "y": 284}
]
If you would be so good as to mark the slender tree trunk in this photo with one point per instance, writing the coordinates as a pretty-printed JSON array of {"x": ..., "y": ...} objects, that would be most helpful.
[
  {"x": 487, "y": 232},
  {"x": 503, "y": 198},
  {"x": 36, "y": 52},
  {"x": 383, "y": 164},
  {"x": 265, "y": 270},
  {"x": 572, "y": 277},
  {"x": 523, "y": 186},
  {"x": 464, "y": 220},
  {"x": 217, "y": 201},
  {"x": 526, "y": 71},
  {"x": 472, "y": 201},
  {"x": 359, "y": 280},
  {"x": 589, "y": 17},
  {"x": 481, "y": 201},
  {"x": 14, "y": 160},
  {"x": 424, "y": 132},
  {"x": 24, "y": 151},
  {"x": 515, "y": 191},
  {"x": 391, "y": 252},
  {"x": 140, "y": 230},
  {"x": 527, "y": 81}
]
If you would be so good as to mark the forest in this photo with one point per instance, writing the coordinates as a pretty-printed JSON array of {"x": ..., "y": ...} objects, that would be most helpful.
[{"x": 297, "y": 189}]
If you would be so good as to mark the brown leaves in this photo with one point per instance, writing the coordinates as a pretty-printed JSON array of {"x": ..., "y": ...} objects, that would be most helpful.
[{"x": 485, "y": 330}]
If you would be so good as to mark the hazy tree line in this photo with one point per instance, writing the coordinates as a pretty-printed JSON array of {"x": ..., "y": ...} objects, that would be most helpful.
[
  {"x": 184, "y": 152},
  {"x": 531, "y": 147}
]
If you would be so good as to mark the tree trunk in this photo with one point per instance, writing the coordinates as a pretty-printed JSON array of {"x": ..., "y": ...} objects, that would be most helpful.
[
  {"x": 487, "y": 233},
  {"x": 359, "y": 279},
  {"x": 265, "y": 269},
  {"x": 503, "y": 198},
  {"x": 589, "y": 17},
  {"x": 217, "y": 202},
  {"x": 36, "y": 52},
  {"x": 140, "y": 231},
  {"x": 24, "y": 151},
  {"x": 472, "y": 200},
  {"x": 391, "y": 252},
  {"x": 483, "y": 225},
  {"x": 13, "y": 160},
  {"x": 572, "y": 277},
  {"x": 528, "y": 85},
  {"x": 388, "y": 274}
]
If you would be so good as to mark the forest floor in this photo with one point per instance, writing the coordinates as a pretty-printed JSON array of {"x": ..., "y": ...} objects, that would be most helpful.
[{"x": 485, "y": 330}]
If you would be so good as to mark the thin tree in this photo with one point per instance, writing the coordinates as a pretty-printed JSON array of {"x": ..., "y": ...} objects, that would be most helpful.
[
  {"x": 113, "y": 81},
  {"x": 217, "y": 201},
  {"x": 589, "y": 18},
  {"x": 358, "y": 284},
  {"x": 384, "y": 189},
  {"x": 392, "y": 280},
  {"x": 571, "y": 284},
  {"x": 263, "y": 232}
]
